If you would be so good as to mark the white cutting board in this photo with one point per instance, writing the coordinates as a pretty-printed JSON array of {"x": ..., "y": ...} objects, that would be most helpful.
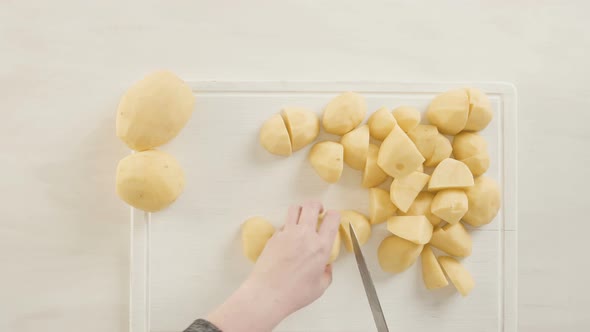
[{"x": 188, "y": 259}]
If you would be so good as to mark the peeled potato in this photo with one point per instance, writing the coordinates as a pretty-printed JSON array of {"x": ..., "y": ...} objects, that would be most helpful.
[
  {"x": 149, "y": 180},
  {"x": 154, "y": 110},
  {"x": 484, "y": 202},
  {"x": 432, "y": 272},
  {"x": 449, "y": 111},
  {"x": 274, "y": 136},
  {"x": 344, "y": 113},
  {"x": 406, "y": 117},
  {"x": 416, "y": 229},
  {"x": 450, "y": 174},
  {"x": 404, "y": 190},
  {"x": 433, "y": 146},
  {"x": 380, "y": 206},
  {"x": 452, "y": 239},
  {"x": 356, "y": 147},
  {"x": 373, "y": 175},
  {"x": 361, "y": 225},
  {"x": 381, "y": 123},
  {"x": 480, "y": 110},
  {"x": 460, "y": 277},
  {"x": 302, "y": 124},
  {"x": 450, "y": 205},
  {"x": 256, "y": 231},
  {"x": 477, "y": 164},
  {"x": 398, "y": 156},
  {"x": 421, "y": 207},
  {"x": 327, "y": 160},
  {"x": 396, "y": 254},
  {"x": 472, "y": 150}
]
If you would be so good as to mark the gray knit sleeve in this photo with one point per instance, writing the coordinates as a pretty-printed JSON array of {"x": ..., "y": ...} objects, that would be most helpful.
[{"x": 201, "y": 325}]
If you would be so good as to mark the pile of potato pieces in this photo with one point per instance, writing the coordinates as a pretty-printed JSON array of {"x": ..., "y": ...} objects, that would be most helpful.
[{"x": 422, "y": 211}]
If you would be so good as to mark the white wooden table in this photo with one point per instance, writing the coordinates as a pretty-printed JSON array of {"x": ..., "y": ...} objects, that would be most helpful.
[{"x": 64, "y": 64}]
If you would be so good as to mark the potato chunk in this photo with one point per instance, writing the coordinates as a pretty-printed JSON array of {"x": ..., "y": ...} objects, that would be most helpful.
[
  {"x": 396, "y": 254},
  {"x": 149, "y": 180},
  {"x": 274, "y": 136},
  {"x": 356, "y": 147},
  {"x": 380, "y": 206},
  {"x": 484, "y": 202},
  {"x": 460, "y": 277},
  {"x": 416, "y": 229},
  {"x": 327, "y": 158},
  {"x": 449, "y": 111},
  {"x": 480, "y": 110},
  {"x": 472, "y": 150},
  {"x": 398, "y": 156},
  {"x": 344, "y": 113},
  {"x": 452, "y": 239},
  {"x": 432, "y": 272},
  {"x": 256, "y": 231},
  {"x": 361, "y": 225},
  {"x": 381, "y": 123},
  {"x": 433, "y": 146},
  {"x": 406, "y": 117},
  {"x": 421, "y": 207},
  {"x": 404, "y": 190},
  {"x": 154, "y": 110},
  {"x": 450, "y": 205},
  {"x": 373, "y": 175},
  {"x": 450, "y": 174},
  {"x": 302, "y": 124}
]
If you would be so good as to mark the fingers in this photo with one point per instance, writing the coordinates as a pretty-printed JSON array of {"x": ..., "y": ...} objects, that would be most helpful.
[
  {"x": 329, "y": 227},
  {"x": 293, "y": 216},
  {"x": 310, "y": 212}
]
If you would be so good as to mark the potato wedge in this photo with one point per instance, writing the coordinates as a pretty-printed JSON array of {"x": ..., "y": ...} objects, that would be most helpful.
[
  {"x": 449, "y": 111},
  {"x": 415, "y": 229},
  {"x": 380, "y": 206},
  {"x": 450, "y": 174},
  {"x": 480, "y": 110},
  {"x": 356, "y": 147},
  {"x": 404, "y": 190},
  {"x": 432, "y": 272},
  {"x": 256, "y": 231},
  {"x": 406, "y": 117},
  {"x": 458, "y": 274},
  {"x": 302, "y": 124},
  {"x": 484, "y": 202},
  {"x": 421, "y": 207},
  {"x": 327, "y": 158},
  {"x": 361, "y": 226},
  {"x": 398, "y": 156},
  {"x": 396, "y": 254},
  {"x": 381, "y": 123},
  {"x": 274, "y": 136},
  {"x": 373, "y": 175},
  {"x": 452, "y": 239},
  {"x": 344, "y": 113},
  {"x": 450, "y": 205}
]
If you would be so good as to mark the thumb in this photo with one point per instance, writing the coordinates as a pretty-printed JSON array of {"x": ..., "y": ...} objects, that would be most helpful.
[{"x": 327, "y": 277}]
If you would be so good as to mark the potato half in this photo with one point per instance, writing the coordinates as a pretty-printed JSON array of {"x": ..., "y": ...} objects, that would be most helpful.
[
  {"x": 432, "y": 272},
  {"x": 256, "y": 231},
  {"x": 154, "y": 110},
  {"x": 149, "y": 180},
  {"x": 356, "y": 147},
  {"x": 381, "y": 122},
  {"x": 373, "y": 175},
  {"x": 274, "y": 136},
  {"x": 406, "y": 117},
  {"x": 404, "y": 190},
  {"x": 380, "y": 206},
  {"x": 398, "y": 156},
  {"x": 396, "y": 254},
  {"x": 416, "y": 229},
  {"x": 344, "y": 113},
  {"x": 450, "y": 174},
  {"x": 450, "y": 205},
  {"x": 458, "y": 274},
  {"x": 327, "y": 158},
  {"x": 361, "y": 225},
  {"x": 449, "y": 111},
  {"x": 484, "y": 201},
  {"x": 302, "y": 124},
  {"x": 452, "y": 239}
]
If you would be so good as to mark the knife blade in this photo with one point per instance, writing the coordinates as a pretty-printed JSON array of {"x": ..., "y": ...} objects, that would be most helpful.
[{"x": 368, "y": 284}]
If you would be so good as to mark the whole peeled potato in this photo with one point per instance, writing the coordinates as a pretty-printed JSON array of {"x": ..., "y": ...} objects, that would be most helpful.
[
  {"x": 154, "y": 110},
  {"x": 344, "y": 113},
  {"x": 149, "y": 180}
]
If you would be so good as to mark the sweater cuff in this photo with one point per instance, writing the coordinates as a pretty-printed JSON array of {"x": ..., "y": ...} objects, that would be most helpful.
[{"x": 201, "y": 325}]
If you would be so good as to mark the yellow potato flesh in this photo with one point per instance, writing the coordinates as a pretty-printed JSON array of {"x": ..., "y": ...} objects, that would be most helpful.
[
  {"x": 381, "y": 123},
  {"x": 450, "y": 205},
  {"x": 449, "y": 111},
  {"x": 344, "y": 113},
  {"x": 450, "y": 174},
  {"x": 484, "y": 202},
  {"x": 404, "y": 190},
  {"x": 452, "y": 239},
  {"x": 149, "y": 180},
  {"x": 478, "y": 164},
  {"x": 302, "y": 125},
  {"x": 416, "y": 229},
  {"x": 327, "y": 160},
  {"x": 458, "y": 274},
  {"x": 154, "y": 110},
  {"x": 380, "y": 206},
  {"x": 398, "y": 156},
  {"x": 406, "y": 117},
  {"x": 421, "y": 207},
  {"x": 274, "y": 136},
  {"x": 480, "y": 110},
  {"x": 361, "y": 225},
  {"x": 396, "y": 254},
  {"x": 432, "y": 272},
  {"x": 256, "y": 231},
  {"x": 373, "y": 175},
  {"x": 467, "y": 144},
  {"x": 356, "y": 147}
]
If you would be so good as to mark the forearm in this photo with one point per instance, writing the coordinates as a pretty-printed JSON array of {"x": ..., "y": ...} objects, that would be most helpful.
[{"x": 251, "y": 308}]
